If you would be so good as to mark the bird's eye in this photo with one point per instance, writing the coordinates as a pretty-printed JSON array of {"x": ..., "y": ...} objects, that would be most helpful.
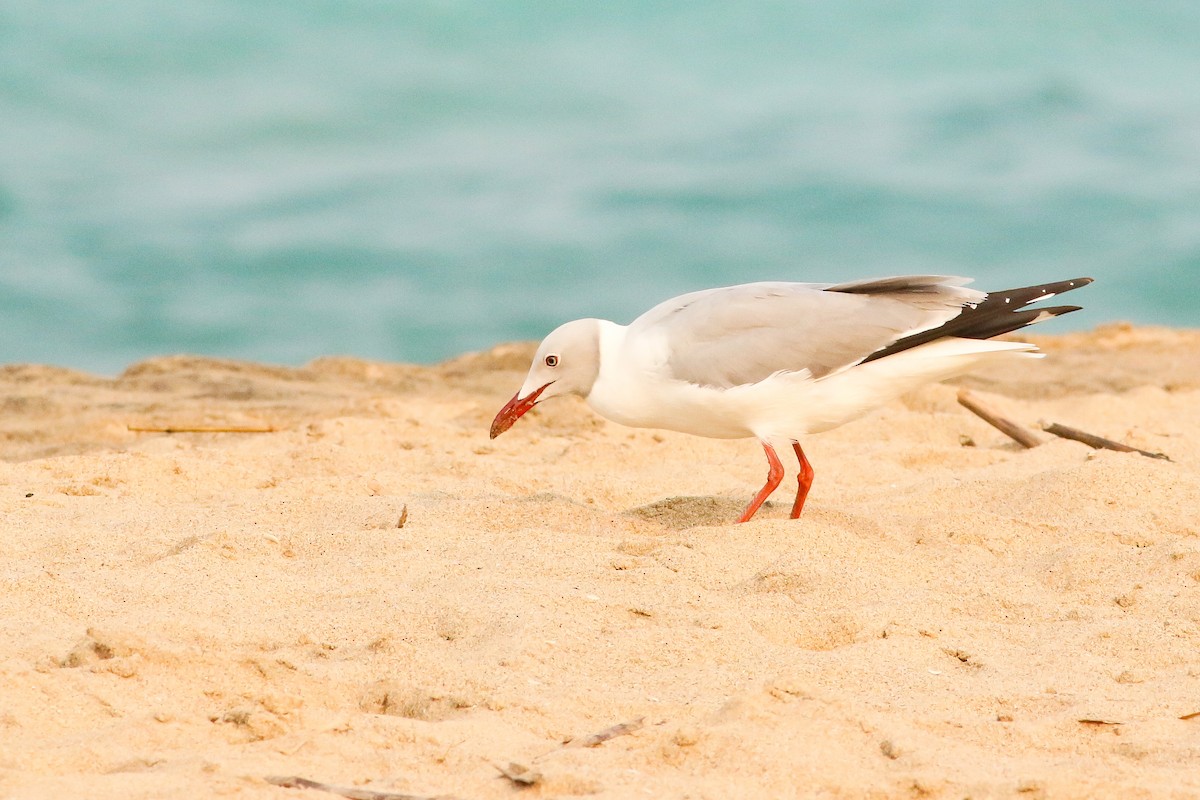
[{"x": 551, "y": 360}]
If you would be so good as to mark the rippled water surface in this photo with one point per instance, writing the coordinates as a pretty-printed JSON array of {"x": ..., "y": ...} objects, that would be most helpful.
[{"x": 283, "y": 180}]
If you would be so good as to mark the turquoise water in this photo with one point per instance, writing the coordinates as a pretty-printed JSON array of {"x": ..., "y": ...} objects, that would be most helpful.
[{"x": 283, "y": 180}]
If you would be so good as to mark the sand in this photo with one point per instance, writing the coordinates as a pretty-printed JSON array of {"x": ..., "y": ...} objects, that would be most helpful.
[{"x": 374, "y": 595}]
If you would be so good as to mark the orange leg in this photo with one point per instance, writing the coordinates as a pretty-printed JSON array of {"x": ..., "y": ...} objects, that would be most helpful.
[
  {"x": 805, "y": 478},
  {"x": 774, "y": 476}
]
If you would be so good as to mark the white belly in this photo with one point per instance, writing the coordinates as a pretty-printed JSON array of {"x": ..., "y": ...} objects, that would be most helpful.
[
  {"x": 786, "y": 405},
  {"x": 680, "y": 407}
]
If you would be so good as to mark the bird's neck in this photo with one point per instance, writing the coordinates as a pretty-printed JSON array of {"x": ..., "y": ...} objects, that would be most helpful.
[
  {"x": 617, "y": 393},
  {"x": 612, "y": 345}
]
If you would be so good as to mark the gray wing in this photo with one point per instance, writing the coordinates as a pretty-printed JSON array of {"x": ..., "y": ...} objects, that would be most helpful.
[{"x": 743, "y": 334}]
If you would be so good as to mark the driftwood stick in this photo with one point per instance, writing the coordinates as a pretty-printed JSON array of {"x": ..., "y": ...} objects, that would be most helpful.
[
  {"x": 201, "y": 428},
  {"x": 295, "y": 782},
  {"x": 1099, "y": 442},
  {"x": 1022, "y": 435},
  {"x": 597, "y": 739}
]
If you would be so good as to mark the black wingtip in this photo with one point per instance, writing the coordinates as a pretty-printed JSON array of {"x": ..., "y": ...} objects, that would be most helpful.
[
  {"x": 1032, "y": 294},
  {"x": 1067, "y": 286},
  {"x": 998, "y": 313}
]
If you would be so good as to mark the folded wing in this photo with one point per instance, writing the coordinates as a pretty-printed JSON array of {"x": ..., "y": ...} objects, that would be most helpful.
[{"x": 743, "y": 334}]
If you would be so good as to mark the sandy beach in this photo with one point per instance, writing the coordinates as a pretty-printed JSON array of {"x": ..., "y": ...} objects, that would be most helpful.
[{"x": 359, "y": 588}]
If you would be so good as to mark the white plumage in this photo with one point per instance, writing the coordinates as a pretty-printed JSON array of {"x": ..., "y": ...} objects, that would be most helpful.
[{"x": 777, "y": 361}]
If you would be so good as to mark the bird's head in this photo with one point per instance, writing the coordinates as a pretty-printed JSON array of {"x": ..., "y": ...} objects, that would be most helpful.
[{"x": 567, "y": 362}]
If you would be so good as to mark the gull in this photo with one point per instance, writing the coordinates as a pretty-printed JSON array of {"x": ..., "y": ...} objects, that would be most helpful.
[{"x": 777, "y": 361}]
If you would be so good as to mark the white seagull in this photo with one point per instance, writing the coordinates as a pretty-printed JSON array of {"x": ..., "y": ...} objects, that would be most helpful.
[{"x": 776, "y": 361}]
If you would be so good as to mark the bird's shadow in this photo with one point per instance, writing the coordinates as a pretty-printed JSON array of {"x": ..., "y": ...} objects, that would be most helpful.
[{"x": 680, "y": 513}]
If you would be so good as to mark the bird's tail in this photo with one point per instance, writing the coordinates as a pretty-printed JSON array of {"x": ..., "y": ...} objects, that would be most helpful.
[{"x": 849, "y": 394}]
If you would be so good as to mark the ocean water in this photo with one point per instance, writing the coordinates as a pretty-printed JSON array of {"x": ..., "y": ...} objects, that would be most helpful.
[{"x": 408, "y": 180}]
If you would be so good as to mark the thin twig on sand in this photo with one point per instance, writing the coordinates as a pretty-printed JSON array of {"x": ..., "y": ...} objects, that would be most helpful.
[
  {"x": 201, "y": 428},
  {"x": 295, "y": 782},
  {"x": 1022, "y": 435},
  {"x": 1099, "y": 442},
  {"x": 624, "y": 729}
]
